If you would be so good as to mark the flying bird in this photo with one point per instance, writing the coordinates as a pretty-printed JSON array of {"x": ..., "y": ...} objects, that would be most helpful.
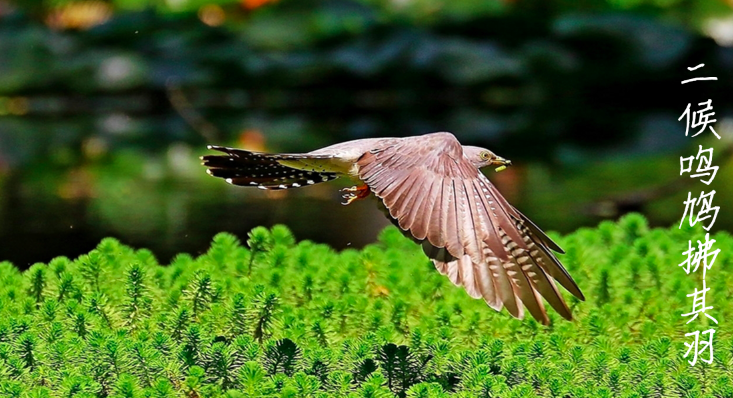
[{"x": 432, "y": 188}]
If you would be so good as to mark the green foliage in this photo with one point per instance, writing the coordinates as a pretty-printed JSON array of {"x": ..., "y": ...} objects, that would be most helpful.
[{"x": 305, "y": 321}]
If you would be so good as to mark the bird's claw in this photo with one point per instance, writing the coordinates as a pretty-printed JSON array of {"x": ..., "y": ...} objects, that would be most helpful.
[
  {"x": 348, "y": 198},
  {"x": 351, "y": 194}
]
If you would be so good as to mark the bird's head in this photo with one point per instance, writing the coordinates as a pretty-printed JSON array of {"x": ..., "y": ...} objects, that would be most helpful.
[{"x": 482, "y": 157}]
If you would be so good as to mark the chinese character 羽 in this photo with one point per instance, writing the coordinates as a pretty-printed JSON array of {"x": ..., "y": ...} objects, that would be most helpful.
[{"x": 705, "y": 345}]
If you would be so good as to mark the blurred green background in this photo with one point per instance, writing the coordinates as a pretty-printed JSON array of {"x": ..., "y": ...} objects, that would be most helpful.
[{"x": 105, "y": 107}]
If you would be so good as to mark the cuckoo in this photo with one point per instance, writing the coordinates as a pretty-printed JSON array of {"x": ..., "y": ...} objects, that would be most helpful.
[{"x": 432, "y": 188}]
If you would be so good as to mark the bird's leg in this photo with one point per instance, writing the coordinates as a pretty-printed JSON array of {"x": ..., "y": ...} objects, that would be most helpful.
[{"x": 354, "y": 193}]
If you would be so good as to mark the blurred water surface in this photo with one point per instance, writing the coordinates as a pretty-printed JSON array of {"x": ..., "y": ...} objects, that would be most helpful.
[
  {"x": 101, "y": 126},
  {"x": 163, "y": 200}
]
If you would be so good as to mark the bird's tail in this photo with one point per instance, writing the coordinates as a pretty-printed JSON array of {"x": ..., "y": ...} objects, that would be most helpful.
[{"x": 262, "y": 170}]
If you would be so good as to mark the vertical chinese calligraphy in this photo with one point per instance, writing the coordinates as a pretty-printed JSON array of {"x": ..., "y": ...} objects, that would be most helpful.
[{"x": 699, "y": 209}]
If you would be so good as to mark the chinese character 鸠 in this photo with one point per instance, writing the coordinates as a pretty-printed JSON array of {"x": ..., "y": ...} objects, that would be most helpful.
[{"x": 705, "y": 201}]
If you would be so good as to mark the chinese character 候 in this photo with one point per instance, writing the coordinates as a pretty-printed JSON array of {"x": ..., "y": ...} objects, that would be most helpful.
[{"x": 699, "y": 118}]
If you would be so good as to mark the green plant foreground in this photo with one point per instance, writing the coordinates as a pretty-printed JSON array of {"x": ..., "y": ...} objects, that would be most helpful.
[{"x": 301, "y": 320}]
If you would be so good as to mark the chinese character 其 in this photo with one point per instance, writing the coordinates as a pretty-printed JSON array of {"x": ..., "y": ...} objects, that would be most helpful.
[{"x": 698, "y": 304}]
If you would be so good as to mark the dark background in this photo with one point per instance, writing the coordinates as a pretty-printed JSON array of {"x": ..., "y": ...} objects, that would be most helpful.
[{"x": 105, "y": 108}]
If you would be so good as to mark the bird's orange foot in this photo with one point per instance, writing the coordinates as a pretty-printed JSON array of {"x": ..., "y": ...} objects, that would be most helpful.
[{"x": 354, "y": 193}]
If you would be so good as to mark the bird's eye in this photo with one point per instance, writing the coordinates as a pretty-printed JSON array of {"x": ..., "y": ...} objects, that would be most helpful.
[{"x": 485, "y": 155}]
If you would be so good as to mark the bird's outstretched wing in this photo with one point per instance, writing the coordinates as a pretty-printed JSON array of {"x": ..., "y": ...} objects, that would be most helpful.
[
  {"x": 267, "y": 171},
  {"x": 472, "y": 234}
]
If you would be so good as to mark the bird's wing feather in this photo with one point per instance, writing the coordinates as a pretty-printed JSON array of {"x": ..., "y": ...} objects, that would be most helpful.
[{"x": 472, "y": 234}]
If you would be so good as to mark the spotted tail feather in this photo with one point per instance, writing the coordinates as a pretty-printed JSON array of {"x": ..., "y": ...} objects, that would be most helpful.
[{"x": 262, "y": 170}]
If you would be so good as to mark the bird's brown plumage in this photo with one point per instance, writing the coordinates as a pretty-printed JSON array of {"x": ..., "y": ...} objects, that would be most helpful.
[
  {"x": 436, "y": 195},
  {"x": 443, "y": 201}
]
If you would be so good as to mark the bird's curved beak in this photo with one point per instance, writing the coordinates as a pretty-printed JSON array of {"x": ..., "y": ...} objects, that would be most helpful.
[{"x": 501, "y": 162}]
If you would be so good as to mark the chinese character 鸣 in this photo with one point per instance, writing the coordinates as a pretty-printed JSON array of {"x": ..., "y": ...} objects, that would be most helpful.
[{"x": 704, "y": 167}]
